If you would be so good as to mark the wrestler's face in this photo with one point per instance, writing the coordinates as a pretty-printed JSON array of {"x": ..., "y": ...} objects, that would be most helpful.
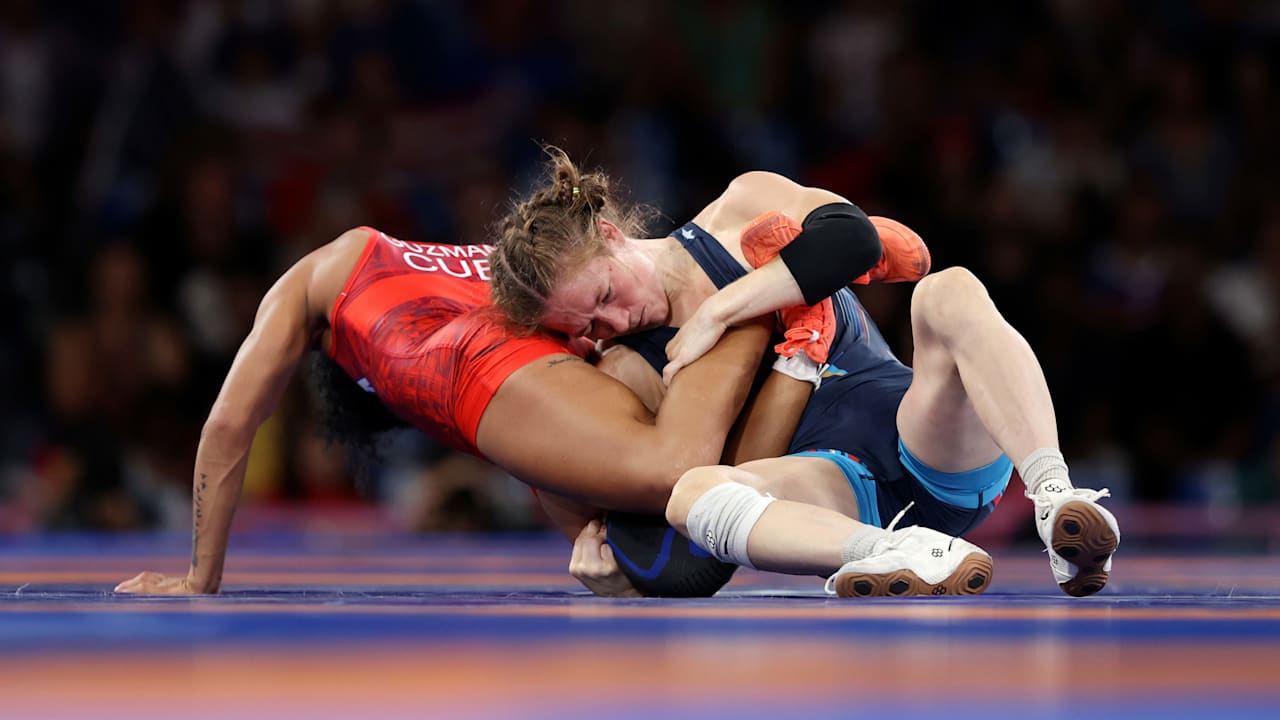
[{"x": 608, "y": 296}]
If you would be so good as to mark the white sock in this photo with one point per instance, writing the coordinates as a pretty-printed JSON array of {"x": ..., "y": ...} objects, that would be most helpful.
[
  {"x": 1042, "y": 466},
  {"x": 861, "y": 543}
]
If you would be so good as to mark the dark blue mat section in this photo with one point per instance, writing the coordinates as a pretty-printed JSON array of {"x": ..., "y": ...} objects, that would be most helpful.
[{"x": 396, "y": 620}]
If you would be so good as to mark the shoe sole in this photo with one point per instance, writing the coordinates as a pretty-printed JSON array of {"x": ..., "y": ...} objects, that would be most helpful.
[
  {"x": 1083, "y": 538},
  {"x": 971, "y": 577}
]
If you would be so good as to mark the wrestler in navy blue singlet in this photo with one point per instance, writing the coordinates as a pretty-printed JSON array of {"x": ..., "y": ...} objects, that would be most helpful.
[{"x": 854, "y": 413}]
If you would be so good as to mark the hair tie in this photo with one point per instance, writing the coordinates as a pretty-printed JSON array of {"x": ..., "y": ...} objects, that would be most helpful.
[{"x": 575, "y": 191}]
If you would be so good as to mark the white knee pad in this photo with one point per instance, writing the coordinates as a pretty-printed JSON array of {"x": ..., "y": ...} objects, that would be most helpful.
[{"x": 720, "y": 521}]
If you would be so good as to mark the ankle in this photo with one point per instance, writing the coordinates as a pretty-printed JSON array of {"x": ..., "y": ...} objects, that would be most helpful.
[
  {"x": 861, "y": 544},
  {"x": 1044, "y": 470}
]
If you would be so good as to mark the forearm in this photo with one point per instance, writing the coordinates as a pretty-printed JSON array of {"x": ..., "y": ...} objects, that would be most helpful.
[
  {"x": 762, "y": 291},
  {"x": 216, "y": 484},
  {"x": 765, "y": 427},
  {"x": 705, "y": 398}
]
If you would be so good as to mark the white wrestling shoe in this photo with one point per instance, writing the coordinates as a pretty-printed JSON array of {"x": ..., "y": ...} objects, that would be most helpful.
[
  {"x": 914, "y": 561},
  {"x": 1079, "y": 534}
]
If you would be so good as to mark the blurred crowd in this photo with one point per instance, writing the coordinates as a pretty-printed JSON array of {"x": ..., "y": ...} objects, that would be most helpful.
[{"x": 1103, "y": 166}]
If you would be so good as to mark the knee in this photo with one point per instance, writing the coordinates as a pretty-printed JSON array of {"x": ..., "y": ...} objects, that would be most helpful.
[
  {"x": 945, "y": 287},
  {"x": 691, "y": 486},
  {"x": 949, "y": 299}
]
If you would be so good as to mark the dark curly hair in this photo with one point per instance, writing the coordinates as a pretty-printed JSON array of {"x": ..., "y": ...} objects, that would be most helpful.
[{"x": 349, "y": 416}]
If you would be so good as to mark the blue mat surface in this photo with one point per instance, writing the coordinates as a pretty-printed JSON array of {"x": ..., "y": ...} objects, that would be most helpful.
[{"x": 328, "y": 626}]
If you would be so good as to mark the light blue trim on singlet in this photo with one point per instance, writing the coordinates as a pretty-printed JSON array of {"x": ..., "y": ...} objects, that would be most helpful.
[
  {"x": 860, "y": 479},
  {"x": 971, "y": 489}
]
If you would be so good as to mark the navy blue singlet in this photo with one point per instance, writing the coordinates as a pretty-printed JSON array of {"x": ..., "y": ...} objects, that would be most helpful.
[
  {"x": 854, "y": 413},
  {"x": 855, "y": 409}
]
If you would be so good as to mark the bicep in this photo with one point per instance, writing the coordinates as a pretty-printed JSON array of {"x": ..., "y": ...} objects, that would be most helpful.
[{"x": 282, "y": 332}]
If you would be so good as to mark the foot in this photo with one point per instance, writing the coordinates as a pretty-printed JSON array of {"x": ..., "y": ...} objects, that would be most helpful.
[
  {"x": 904, "y": 258},
  {"x": 1079, "y": 534},
  {"x": 915, "y": 561}
]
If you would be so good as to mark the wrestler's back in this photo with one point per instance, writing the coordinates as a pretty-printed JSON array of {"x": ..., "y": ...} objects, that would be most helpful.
[{"x": 401, "y": 322}]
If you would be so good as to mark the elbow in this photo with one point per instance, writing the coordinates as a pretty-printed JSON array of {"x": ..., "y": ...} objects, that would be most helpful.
[
  {"x": 652, "y": 488},
  {"x": 645, "y": 493},
  {"x": 640, "y": 484},
  {"x": 859, "y": 247},
  {"x": 866, "y": 248},
  {"x": 838, "y": 244},
  {"x": 656, "y": 491}
]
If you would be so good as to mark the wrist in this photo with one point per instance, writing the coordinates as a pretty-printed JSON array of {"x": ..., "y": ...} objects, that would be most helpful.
[
  {"x": 203, "y": 585},
  {"x": 719, "y": 309}
]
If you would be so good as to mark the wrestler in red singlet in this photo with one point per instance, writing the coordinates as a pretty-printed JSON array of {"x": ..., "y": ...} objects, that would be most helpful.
[{"x": 413, "y": 324}]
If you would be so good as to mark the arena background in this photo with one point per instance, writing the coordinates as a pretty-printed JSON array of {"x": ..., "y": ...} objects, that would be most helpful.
[{"x": 1108, "y": 169}]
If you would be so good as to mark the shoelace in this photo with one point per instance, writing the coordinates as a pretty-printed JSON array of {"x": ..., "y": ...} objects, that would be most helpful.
[
  {"x": 830, "y": 586},
  {"x": 894, "y": 522}
]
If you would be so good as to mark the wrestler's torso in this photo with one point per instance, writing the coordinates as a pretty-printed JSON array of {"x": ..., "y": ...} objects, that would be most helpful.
[
  {"x": 855, "y": 408},
  {"x": 414, "y": 325},
  {"x": 724, "y": 220}
]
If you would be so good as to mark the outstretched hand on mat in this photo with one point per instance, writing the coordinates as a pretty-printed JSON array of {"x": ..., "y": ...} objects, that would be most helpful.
[
  {"x": 154, "y": 583},
  {"x": 593, "y": 564}
]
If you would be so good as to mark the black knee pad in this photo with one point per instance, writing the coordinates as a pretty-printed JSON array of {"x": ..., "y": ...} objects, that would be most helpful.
[
  {"x": 838, "y": 243},
  {"x": 661, "y": 562}
]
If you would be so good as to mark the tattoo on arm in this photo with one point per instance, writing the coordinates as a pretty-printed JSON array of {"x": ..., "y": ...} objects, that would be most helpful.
[
  {"x": 198, "y": 513},
  {"x": 557, "y": 361}
]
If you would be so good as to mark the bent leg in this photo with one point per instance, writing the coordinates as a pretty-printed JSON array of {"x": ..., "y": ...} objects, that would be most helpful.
[
  {"x": 978, "y": 388},
  {"x": 713, "y": 507}
]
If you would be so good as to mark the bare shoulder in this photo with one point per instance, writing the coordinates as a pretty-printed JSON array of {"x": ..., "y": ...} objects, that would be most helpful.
[
  {"x": 751, "y": 185},
  {"x": 743, "y": 199},
  {"x": 755, "y": 193},
  {"x": 327, "y": 268}
]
